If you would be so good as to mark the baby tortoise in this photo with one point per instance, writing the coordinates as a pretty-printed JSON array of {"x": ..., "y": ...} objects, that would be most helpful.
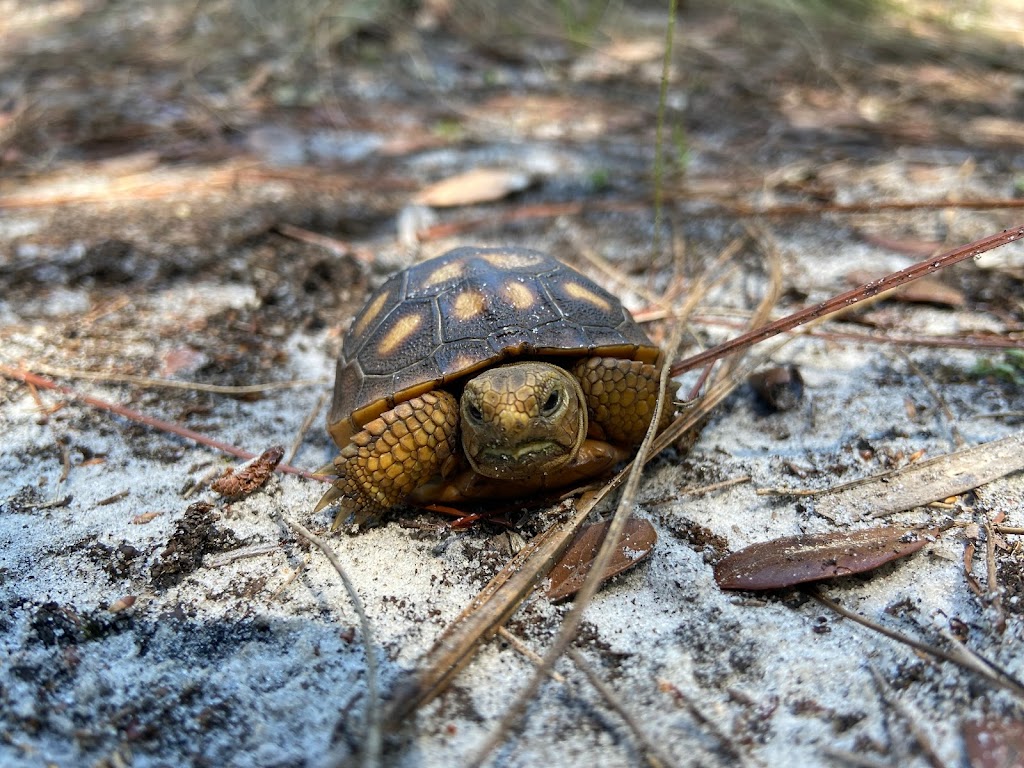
[{"x": 485, "y": 373}]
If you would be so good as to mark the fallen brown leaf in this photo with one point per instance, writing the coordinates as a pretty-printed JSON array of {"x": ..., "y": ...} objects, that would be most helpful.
[
  {"x": 994, "y": 743},
  {"x": 481, "y": 185},
  {"x": 569, "y": 573},
  {"x": 793, "y": 560}
]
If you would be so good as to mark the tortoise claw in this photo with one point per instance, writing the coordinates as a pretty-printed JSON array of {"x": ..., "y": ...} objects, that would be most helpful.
[
  {"x": 333, "y": 494},
  {"x": 327, "y": 469},
  {"x": 360, "y": 515}
]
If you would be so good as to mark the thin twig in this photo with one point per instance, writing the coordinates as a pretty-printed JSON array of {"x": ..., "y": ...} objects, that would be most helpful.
[
  {"x": 969, "y": 661},
  {"x": 524, "y": 650},
  {"x": 655, "y": 757},
  {"x": 1008, "y": 530},
  {"x": 331, "y": 244},
  {"x": 191, "y": 386},
  {"x": 373, "y": 744},
  {"x": 941, "y": 342},
  {"x": 708, "y": 208},
  {"x": 993, "y": 593},
  {"x": 904, "y": 712},
  {"x": 850, "y": 298},
  {"x": 141, "y": 418}
]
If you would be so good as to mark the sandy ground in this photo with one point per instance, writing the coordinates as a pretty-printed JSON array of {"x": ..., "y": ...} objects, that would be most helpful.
[{"x": 241, "y": 647}]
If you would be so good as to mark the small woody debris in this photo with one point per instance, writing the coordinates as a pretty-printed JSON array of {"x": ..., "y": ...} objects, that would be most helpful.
[
  {"x": 122, "y": 604},
  {"x": 241, "y": 482}
]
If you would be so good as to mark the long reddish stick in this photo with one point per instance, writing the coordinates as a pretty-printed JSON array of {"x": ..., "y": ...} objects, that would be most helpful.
[
  {"x": 167, "y": 426},
  {"x": 850, "y": 298}
]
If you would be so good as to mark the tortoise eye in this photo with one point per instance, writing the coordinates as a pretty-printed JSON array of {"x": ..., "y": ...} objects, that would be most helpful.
[
  {"x": 474, "y": 412},
  {"x": 552, "y": 403}
]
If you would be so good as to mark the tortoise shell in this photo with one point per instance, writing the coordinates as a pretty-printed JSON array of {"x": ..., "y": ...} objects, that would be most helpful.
[{"x": 440, "y": 321}]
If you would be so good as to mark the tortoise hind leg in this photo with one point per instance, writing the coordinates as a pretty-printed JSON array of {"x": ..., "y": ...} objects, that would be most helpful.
[
  {"x": 393, "y": 455},
  {"x": 621, "y": 396}
]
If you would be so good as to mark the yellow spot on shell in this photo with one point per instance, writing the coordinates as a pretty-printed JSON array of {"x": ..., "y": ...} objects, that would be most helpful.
[
  {"x": 519, "y": 295},
  {"x": 506, "y": 260},
  {"x": 402, "y": 330},
  {"x": 372, "y": 310},
  {"x": 583, "y": 293},
  {"x": 444, "y": 273},
  {"x": 468, "y": 304}
]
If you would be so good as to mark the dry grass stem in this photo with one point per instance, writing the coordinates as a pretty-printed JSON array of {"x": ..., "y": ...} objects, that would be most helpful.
[
  {"x": 993, "y": 593},
  {"x": 524, "y": 650},
  {"x": 703, "y": 490},
  {"x": 300, "y": 436},
  {"x": 909, "y": 717},
  {"x": 851, "y": 297},
  {"x": 498, "y": 600},
  {"x": 373, "y": 743},
  {"x": 966, "y": 660},
  {"x": 654, "y": 756}
]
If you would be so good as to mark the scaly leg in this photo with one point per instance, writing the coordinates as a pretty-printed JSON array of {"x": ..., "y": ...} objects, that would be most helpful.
[
  {"x": 393, "y": 455},
  {"x": 621, "y": 396}
]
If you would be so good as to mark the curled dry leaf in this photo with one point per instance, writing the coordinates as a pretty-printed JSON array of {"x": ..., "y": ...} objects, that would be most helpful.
[
  {"x": 245, "y": 480},
  {"x": 781, "y": 388},
  {"x": 994, "y": 743},
  {"x": 145, "y": 517},
  {"x": 122, "y": 604},
  {"x": 569, "y": 573},
  {"x": 481, "y": 185},
  {"x": 793, "y": 560}
]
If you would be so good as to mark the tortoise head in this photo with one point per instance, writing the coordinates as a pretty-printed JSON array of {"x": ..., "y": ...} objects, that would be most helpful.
[{"x": 522, "y": 420}]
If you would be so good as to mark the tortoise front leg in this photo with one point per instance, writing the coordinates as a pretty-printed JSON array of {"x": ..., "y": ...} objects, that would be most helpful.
[
  {"x": 621, "y": 396},
  {"x": 393, "y": 455}
]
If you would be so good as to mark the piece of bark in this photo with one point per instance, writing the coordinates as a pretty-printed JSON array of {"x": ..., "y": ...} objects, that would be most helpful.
[
  {"x": 925, "y": 482},
  {"x": 241, "y": 482}
]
